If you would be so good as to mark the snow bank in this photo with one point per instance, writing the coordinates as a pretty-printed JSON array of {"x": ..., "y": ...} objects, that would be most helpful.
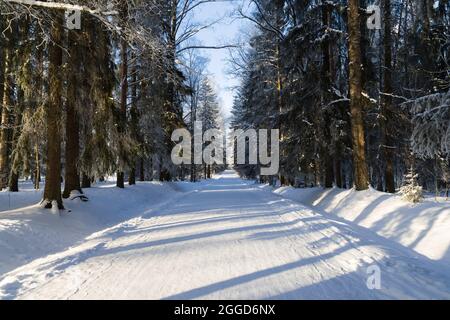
[
  {"x": 28, "y": 232},
  {"x": 423, "y": 227}
]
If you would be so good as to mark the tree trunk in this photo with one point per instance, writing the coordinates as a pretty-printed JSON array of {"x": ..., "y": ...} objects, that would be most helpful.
[
  {"x": 37, "y": 167},
  {"x": 338, "y": 171},
  {"x": 134, "y": 121},
  {"x": 280, "y": 111},
  {"x": 326, "y": 86},
  {"x": 5, "y": 131},
  {"x": 52, "y": 190},
  {"x": 379, "y": 179},
  {"x": 151, "y": 170},
  {"x": 120, "y": 179},
  {"x": 72, "y": 178},
  {"x": 13, "y": 183},
  {"x": 386, "y": 104},
  {"x": 38, "y": 100},
  {"x": 132, "y": 176},
  {"x": 85, "y": 181},
  {"x": 279, "y": 12},
  {"x": 361, "y": 175},
  {"x": 141, "y": 170},
  {"x": 123, "y": 91},
  {"x": 2, "y": 66},
  {"x": 193, "y": 119}
]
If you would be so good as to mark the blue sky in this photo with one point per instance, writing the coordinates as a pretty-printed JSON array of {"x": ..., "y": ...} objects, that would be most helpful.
[{"x": 226, "y": 31}]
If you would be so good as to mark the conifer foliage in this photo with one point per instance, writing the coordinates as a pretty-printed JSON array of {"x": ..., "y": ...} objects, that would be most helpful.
[
  {"x": 83, "y": 100},
  {"x": 356, "y": 106}
]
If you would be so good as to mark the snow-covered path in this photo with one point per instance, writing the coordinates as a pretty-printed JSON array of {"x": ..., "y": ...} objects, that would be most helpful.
[{"x": 229, "y": 240}]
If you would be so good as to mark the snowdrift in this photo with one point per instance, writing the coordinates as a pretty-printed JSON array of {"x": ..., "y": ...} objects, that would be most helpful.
[
  {"x": 28, "y": 232},
  {"x": 423, "y": 227}
]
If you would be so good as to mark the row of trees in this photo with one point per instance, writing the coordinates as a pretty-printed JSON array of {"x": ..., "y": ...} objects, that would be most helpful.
[
  {"x": 80, "y": 104},
  {"x": 355, "y": 105}
]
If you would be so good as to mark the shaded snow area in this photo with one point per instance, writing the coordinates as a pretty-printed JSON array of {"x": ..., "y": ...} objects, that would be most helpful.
[
  {"x": 221, "y": 239},
  {"x": 423, "y": 227}
]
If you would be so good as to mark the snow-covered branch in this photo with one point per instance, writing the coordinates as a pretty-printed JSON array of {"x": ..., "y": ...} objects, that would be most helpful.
[{"x": 62, "y": 6}]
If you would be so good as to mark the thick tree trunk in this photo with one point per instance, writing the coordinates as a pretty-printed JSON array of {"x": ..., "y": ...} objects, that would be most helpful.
[
  {"x": 52, "y": 190},
  {"x": 326, "y": 86},
  {"x": 13, "y": 183},
  {"x": 6, "y": 110},
  {"x": 279, "y": 21},
  {"x": 85, "y": 181},
  {"x": 39, "y": 99},
  {"x": 134, "y": 122},
  {"x": 123, "y": 91},
  {"x": 132, "y": 176},
  {"x": 2, "y": 66},
  {"x": 280, "y": 110},
  {"x": 361, "y": 175},
  {"x": 386, "y": 105},
  {"x": 120, "y": 179},
  {"x": 5, "y": 132},
  {"x": 72, "y": 178}
]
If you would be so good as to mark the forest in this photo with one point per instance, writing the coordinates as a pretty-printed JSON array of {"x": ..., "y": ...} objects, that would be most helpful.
[
  {"x": 335, "y": 119},
  {"x": 82, "y": 104},
  {"x": 356, "y": 106}
]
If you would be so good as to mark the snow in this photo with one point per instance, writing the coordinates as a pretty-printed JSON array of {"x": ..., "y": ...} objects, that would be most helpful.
[
  {"x": 222, "y": 239},
  {"x": 422, "y": 227},
  {"x": 28, "y": 232}
]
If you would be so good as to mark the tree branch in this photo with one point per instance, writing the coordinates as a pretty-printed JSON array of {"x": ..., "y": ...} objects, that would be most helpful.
[{"x": 61, "y": 6}]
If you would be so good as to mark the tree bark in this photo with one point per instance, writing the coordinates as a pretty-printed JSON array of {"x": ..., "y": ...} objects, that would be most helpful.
[
  {"x": 193, "y": 119},
  {"x": 141, "y": 170},
  {"x": 13, "y": 183},
  {"x": 37, "y": 166},
  {"x": 361, "y": 175},
  {"x": 132, "y": 176},
  {"x": 326, "y": 86},
  {"x": 39, "y": 99},
  {"x": 5, "y": 132},
  {"x": 279, "y": 11},
  {"x": 2, "y": 65},
  {"x": 386, "y": 105},
  {"x": 123, "y": 90},
  {"x": 72, "y": 178},
  {"x": 134, "y": 122},
  {"x": 338, "y": 171},
  {"x": 85, "y": 181},
  {"x": 52, "y": 191}
]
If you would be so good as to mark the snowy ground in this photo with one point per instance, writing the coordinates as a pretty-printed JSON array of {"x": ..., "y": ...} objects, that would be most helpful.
[
  {"x": 222, "y": 239},
  {"x": 423, "y": 227}
]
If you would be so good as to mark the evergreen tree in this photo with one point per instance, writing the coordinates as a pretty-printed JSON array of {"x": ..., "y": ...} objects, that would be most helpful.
[{"x": 411, "y": 190}]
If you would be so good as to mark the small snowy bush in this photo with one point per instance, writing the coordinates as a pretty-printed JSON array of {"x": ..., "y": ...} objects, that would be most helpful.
[{"x": 411, "y": 190}]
